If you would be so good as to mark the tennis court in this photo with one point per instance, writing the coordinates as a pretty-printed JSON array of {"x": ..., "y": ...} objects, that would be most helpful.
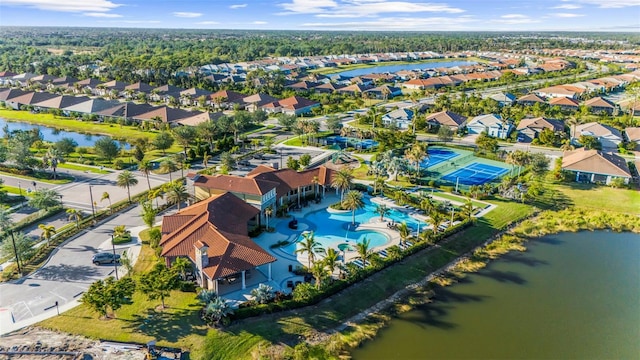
[
  {"x": 438, "y": 155},
  {"x": 475, "y": 174}
]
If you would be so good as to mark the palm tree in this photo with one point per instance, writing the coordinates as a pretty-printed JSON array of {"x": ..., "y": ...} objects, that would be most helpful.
[
  {"x": 176, "y": 192},
  {"x": 106, "y": 196},
  {"x": 382, "y": 210},
  {"x": 52, "y": 158},
  {"x": 310, "y": 246},
  {"x": 76, "y": 215},
  {"x": 467, "y": 209},
  {"x": 126, "y": 179},
  {"x": 342, "y": 180},
  {"x": 181, "y": 265},
  {"x": 315, "y": 182},
  {"x": 156, "y": 193},
  {"x": 437, "y": 218},
  {"x": 416, "y": 153},
  {"x": 331, "y": 260},
  {"x": 168, "y": 165},
  {"x": 267, "y": 214},
  {"x": 205, "y": 159},
  {"x": 404, "y": 231},
  {"x": 353, "y": 201},
  {"x": 47, "y": 232},
  {"x": 145, "y": 166},
  {"x": 364, "y": 252}
]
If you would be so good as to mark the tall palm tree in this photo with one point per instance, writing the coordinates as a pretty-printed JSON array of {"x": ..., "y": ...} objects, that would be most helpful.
[
  {"x": 205, "y": 159},
  {"x": 315, "y": 182},
  {"x": 467, "y": 209},
  {"x": 267, "y": 214},
  {"x": 145, "y": 166},
  {"x": 364, "y": 251},
  {"x": 75, "y": 215},
  {"x": 52, "y": 158},
  {"x": 342, "y": 180},
  {"x": 331, "y": 260},
  {"x": 176, "y": 192},
  {"x": 382, "y": 210},
  {"x": 353, "y": 201},
  {"x": 106, "y": 196},
  {"x": 319, "y": 271},
  {"x": 404, "y": 231},
  {"x": 310, "y": 246},
  {"x": 437, "y": 218},
  {"x": 47, "y": 232},
  {"x": 126, "y": 179},
  {"x": 168, "y": 165},
  {"x": 157, "y": 193}
]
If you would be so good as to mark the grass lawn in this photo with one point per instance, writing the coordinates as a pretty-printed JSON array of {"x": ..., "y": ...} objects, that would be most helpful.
[
  {"x": 601, "y": 197},
  {"x": 59, "y": 122},
  {"x": 457, "y": 198},
  {"x": 15, "y": 190},
  {"x": 84, "y": 168},
  {"x": 31, "y": 178}
]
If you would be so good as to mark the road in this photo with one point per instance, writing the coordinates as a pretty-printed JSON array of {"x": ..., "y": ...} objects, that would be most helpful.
[{"x": 67, "y": 274}]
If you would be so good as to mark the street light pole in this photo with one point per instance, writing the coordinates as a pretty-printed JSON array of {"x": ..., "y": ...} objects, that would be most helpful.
[
  {"x": 93, "y": 211},
  {"x": 452, "y": 211},
  {"x": 20, "y": 189},
  {"x": 115, "y": 263},
  {"x": 15, "y": 251}
]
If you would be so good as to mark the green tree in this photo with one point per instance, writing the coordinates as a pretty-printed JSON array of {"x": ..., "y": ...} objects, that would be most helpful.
[
  {"x": 226, "y": 161},
  {"x": 310, "y": 246},
  {"x": 382, "y": 210},
  {"x": 589, "y": 142},
  {"x": 158, "y": 282},
  {"x": 353, "y": 201},
  {"x": 342, "y": 180},
  {"x": 44, "y": 199},
  {"x": 106, "y": 148},
  {"x": 445, "y": 134},
  {"x": 185, "y": 136},
  {"x": 365, "y": 253},
  {"x": 487, "y": 143},
  {"x": 47, "y": 232},
  {"x": 305, "y": 160},
  {"x": 163, "y": 141},
  {"x": 319, "y": 272},
  {"x": 145, "y": 166},
  {"x": 181, "y": 265},
  {"x": 404, "y": 231},
  {"x": 109, "y": 294},
  {"x": 168, "y": 166},
  {"x": 75, "y": 215},
  {"x": 51, "y": 159},
  {"x": 293, "y": 164},
  {"x": 126, "y": 179},
  {"x": 65, "y": 146},
  {"x": 333, "y": 123},
  {"x": 468, "y": 209},
  {"x": 176, "y": 192},
  {"x": 331, "y": 260},
  {"x": 106, "y": 196},
  {"x": 23, "y": 251},
  {"x": 148, "y": 213},
  {"x": 286, "y": 121}
]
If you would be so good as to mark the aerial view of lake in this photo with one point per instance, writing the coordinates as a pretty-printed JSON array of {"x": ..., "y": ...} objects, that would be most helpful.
[
  {"x": 396, "y": 68},
  {"x": 53, "y": 135},
  {"x": 570, "y": 296}
]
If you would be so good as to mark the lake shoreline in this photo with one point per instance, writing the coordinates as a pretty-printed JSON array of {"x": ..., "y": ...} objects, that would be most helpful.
[{"x": 365, "y": 325}]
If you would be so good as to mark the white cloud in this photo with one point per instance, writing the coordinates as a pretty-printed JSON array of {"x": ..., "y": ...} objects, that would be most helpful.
[
  {"x": 207, "y": 23},
  {"x": 102, "y": 15},
  {"x": 566, "y": 15},
  {"x": 398, "y": 24},
  {"x": 512, "y": 19},
  {"x": 136, "y": 21},
  {"x": 183, "y": 14},
  {"x": 362, "y": 8},
  {"x": 259, "y": 22},
  {"x": 611, "y": 3},
  {"x": 567, "y": 7},
  {"x": 238, "y": 6},
  {"x": 66, "y": 5}
]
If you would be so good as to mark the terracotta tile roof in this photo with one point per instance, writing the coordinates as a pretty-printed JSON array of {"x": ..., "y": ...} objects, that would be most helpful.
[
  {"x": 541, "y": 123},
  {"x": 288, "y": 179},
  {"x": 228, "y": 96},
  {"x": 293, "y": 103},
  {"x": 599, "y": 102},
  {"x": 633, "y": 133},
  {"x": 237, "y": 184},
  {"x": 220, "y": 223},
  {"x": 594, "y": 161},
  {"x": 531, "y": 98},
  {"x": 564, "y": 101}
]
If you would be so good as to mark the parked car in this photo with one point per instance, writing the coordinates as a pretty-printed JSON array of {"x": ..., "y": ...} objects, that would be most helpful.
[{"x": 105, "y": 258}]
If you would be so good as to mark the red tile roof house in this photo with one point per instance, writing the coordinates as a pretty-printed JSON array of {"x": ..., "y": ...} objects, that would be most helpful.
[
  {"x": 529, "y": 129},
  {"x": 213, "y": 234},
  {"x": 294, "y": 105},
  {"x": 600, "y": 105},
  {"x": 595, "y": 166}
]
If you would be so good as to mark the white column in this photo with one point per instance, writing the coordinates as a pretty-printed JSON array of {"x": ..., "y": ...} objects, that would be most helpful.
[
  {"x": 244, "y": 285},
  {"x": 577, "y": 175},
  {"x": 215, "y": 285},
  {"x": 269, "y": 272}
]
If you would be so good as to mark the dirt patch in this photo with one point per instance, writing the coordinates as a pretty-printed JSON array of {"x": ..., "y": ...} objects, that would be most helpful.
[{"x": 36, "y": 343}]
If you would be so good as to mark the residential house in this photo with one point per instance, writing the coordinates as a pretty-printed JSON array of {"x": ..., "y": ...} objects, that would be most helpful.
[
  {"x": 111, "y": 88},
  {"x": 557, "y": 91},
  {"x": 226, "y": 99},
  {"x": 595, "y": 166},
  {"x": 134, "y": 89},
  {"x": 61, "y": 102},
  {"x": 29, "y": 99},
  {"x": 530, "y": 128},
  {"x": 87, "y": 86},
  {"x": 447, "y": 118},
  {"x": 383, "y": 92},
  {"x": 566, "y": 104},
  {"x": 163, "y": 114},
  {"x": 91, "y": 106},
  {"x": 492, "y": 124},
  {"x": 354, "y": 89},
  {"x": 199, "y": 117},
  {"x": 503, "y": 99},
  {"x": 530, "y": 99},
  {"x": 256, "y": 101},
  {"x": 294, "y": 105},
  {"x": 22, "y": 79},
  {"x": 213, "y": 235},
  {"x": 7, "y": 95},
  {"x": 608, "y": 136},
  {"x": 165, "y": 93},
  {"x": 633, "y": 134},
  {"x": 400, "y": 118},
  {"x": 599, "y": 105},
  {"x": 190, "y": 96},
  {"x": 303, "y": 85}
]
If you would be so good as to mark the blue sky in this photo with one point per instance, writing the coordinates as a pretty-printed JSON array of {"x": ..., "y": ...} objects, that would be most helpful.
[{"x": 400, "y": 15}]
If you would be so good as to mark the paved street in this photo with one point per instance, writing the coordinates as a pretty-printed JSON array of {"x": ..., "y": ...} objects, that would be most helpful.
[{"x": 67, "y": 274}]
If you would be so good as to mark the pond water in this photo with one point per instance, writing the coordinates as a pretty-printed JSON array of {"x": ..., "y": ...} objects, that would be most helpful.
[
  {"x": 570, "y": 296},
  {"x": 395, "y": 68},
  {"x": 53, "y": 135}
]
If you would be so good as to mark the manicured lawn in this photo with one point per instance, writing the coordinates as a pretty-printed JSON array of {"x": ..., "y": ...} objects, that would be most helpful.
[
  {"x": 90, "y": 127},
  {"x": 78, "y": 167},
  {"x": 602, "y": 197},
  {"x": 31, "y": 178}
]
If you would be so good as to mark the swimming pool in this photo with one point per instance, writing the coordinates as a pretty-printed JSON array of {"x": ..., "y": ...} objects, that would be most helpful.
[
  {"x": 344, "y": 142},
  {"x": 330, "y": 229}
]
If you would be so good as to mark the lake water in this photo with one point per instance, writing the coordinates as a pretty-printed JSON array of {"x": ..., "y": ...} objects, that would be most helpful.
[
  {"x": 53, "y": 135},
  {"x": 570, "y": 296},
  {"x": 396, "y": 68}
]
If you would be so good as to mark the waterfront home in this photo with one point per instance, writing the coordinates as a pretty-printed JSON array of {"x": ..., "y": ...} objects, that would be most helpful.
[
  {"x": 28, "y": 99},
  {"x": 163, "y": 114},
  {"x": 7, "y": 95},
  {"x": 399, "y": 118},
  {"x": 492, "y": 124},
  {"x": 446, "y": 118},
  {"x": 608, "y": 136},
  {"x": 61, "y": 102},
  {"x": 595, "y": 166},
  {"x": 530, "y": 128},
  {"x": 213, "y": 235}
]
